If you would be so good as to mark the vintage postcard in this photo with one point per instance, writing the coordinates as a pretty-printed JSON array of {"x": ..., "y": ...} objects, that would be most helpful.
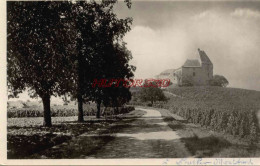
[{"x": 113, "y": 82}]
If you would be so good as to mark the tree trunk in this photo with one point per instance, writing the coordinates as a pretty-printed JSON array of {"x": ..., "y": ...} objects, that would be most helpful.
[
  {"x": 117, "y": 110},
  {"x": 80, "y": 109},
  {"x": 152, "y": 102},
  {"x": 98, "y": 109},
  {"x": 46, "y": 111},
  {"x": 65, "y": 100},
  {"x": 80, "y": 80}
]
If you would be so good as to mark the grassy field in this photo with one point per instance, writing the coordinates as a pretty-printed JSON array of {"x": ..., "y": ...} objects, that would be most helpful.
[
  {"x": 61, "y": 111},
  {"x": 36, "y": 110},
  {"x": 218, "y": 97},
  {"x": 229, "y": 110}
]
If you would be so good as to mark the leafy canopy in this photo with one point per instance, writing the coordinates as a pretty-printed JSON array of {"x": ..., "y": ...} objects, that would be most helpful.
[
  {"x": 151, "y": 93},
  {"x": 39, "y": 46}
]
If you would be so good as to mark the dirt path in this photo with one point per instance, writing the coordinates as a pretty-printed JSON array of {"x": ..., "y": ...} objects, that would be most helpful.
[{"x": 145, "y": 137}]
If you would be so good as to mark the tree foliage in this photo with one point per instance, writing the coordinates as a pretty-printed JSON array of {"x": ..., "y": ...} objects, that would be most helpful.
[
  {"x": 151, "y": 93},
  {"x": 55, "y": 48},
  {"x": 219, "y": 80},
  {"x": 112, "y": 64},
  {"x": 100, "y": 50},
  {"x": 39, "y": 46},
  {"x": 109, "y": 58}
]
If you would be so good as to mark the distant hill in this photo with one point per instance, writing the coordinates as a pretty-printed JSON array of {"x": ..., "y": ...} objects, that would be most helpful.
[{"x": 218, "y": 96}]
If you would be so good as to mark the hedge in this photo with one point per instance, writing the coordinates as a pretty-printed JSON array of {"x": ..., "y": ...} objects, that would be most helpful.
[{"x": 64, "y": 112}]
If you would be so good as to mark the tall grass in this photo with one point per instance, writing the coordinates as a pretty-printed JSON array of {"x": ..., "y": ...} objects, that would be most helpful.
[
  {"x": 243, "y": 124},
  {"x": 64, "y": 112},
  {"x": 230, "y": 110}
]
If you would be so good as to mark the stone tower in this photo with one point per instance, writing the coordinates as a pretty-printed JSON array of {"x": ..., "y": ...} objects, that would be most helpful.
[{"x": 206, "y": 65}]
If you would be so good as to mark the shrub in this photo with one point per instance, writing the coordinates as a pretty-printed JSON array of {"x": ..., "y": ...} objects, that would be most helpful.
[
  {"x": 149, "y": 104},
  {"x": 218, "y": 80}
]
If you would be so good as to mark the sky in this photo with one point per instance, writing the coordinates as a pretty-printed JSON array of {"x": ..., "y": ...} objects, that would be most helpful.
[{"x": 165, "y": 33}]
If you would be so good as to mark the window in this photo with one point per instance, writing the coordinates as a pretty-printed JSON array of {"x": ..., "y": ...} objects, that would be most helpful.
[{"x": 194, "y": 74}]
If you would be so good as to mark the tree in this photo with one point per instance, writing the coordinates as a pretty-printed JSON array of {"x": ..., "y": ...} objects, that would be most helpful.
[
  {"x": 60, "y": 47},
  {"x": 112, "y": 66},
  {"x": 98, "y": 32},
  {"x": 116, "y": 96},
  {"x": 85, "y": 19},
  {"x": 219, "y": 80},
  {"x": 151, "y": 92},
  {"x": 65, "y": 99},
  {"x": 110, "y": 57},
  {"x": 39, "y": 50}
]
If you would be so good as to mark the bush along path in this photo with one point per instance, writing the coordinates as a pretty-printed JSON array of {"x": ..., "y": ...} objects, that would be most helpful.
[{"x": 147, "y": 136}]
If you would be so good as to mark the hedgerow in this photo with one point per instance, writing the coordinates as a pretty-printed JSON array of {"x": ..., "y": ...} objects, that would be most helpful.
[{"x": 64, "y": 112}]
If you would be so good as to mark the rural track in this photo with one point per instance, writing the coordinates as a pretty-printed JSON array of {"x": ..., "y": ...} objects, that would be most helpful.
[{"x": 145, "y": 137}]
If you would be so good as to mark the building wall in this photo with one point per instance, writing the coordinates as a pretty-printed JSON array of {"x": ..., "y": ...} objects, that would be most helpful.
[
  {"x": 208, "y": 71},
  {"x": 177, "y": 76},
  {"x": 197, "y": 75},
  {"x": 193, "y": 75},
  {"x": 165, "y": 76}
]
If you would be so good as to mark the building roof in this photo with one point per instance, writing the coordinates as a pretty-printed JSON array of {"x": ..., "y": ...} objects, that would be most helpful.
[
  {"x": 192, "y": 63},
  {"x": 167, "y": 72}
]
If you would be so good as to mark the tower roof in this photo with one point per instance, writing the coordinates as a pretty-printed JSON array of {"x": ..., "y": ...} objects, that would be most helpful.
[
  {"x": 204, "y": 57},
  {"x": 192, "y": 63}
]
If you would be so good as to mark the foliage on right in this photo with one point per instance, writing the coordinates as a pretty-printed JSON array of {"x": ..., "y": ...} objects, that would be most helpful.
[
  {"x": 218, "y": 80},
  {"x": 151, "y": 92}
]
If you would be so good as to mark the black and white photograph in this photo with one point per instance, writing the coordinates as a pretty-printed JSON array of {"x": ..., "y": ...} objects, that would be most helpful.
[{"x": 175, "y": 81}]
